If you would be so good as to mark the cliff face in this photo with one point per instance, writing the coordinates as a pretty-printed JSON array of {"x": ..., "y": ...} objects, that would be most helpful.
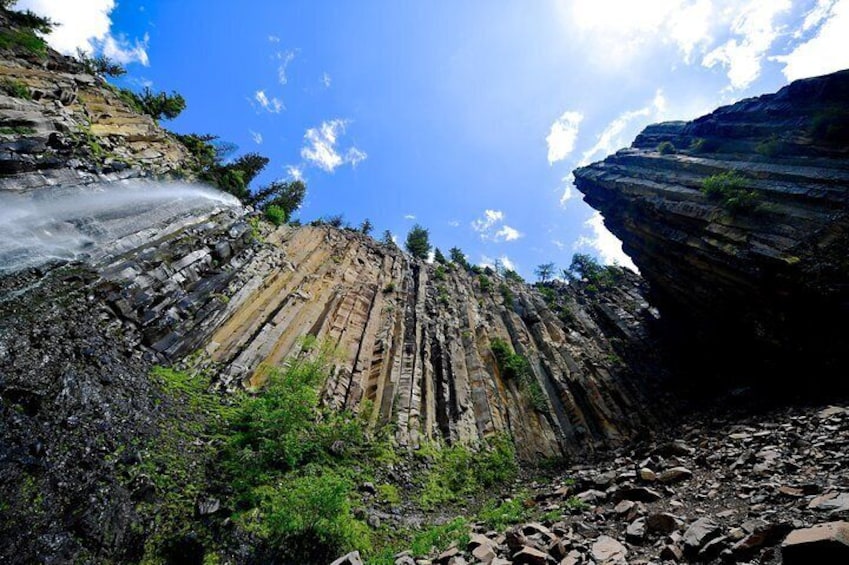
[
  {"x": 759, "y": 271},
  {"x": 60, "y": 125},
  {"x": 200, "y": 281}
]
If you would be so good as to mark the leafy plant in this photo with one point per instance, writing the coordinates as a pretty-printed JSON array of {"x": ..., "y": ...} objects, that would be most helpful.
[
  {"x": 366, "y": 227},
  {"x": 517, "y": 367},
  {"x": 770, "y": 147},
  {"x": 729, "y": 188},
  {"x": 459, "y": 258},
  {"x": 665, "y": 148},
  {"x": 24, "y": 39},
  {"x": 15, "y": 88},
  {"x": 485, "y": 283},
  {"x": 100, "y": 65},
  {"x": 276, "y": 215},
  {"x": 702, "y": 145},
  {"x": 585, "y": 267},
  {"x": 458, "y": 471}
]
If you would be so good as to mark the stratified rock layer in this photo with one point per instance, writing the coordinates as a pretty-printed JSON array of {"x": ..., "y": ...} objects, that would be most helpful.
[
  {"x": 767, "y": 281},
  {"x": 72, "y": 127}
]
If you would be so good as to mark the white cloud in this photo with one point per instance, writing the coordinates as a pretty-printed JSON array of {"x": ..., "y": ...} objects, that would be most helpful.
[
  {"x": 272, "y": 105},
  {"x": 612, "y": 139},
  {"x": 355, "y": 156},
  {"x": 568, "y": 193},
  {"x": 122, "y": 51},
  {"x": 295, "y": 172},
  {"x": 409, "y": 216},
  {"x": 506, "y": 233},
  {"x": 285, "y": 57},
  {"x": 756, "y": 30},
  {"x": 87, "y": 26},
  {"x": 609, "y": 248},
  {"x": 489, "y": 219},
  {"x": 828, "y": 50},
  {"x": 454, "y": 224},
  {"x": 620, "y": 30},
  {"x": 818, "y": 14},
  {"x": 274, "y": 38},
  {"x": 326, "y": 80},
  {"x": 561, "y": 138},
  {"x": 491, "y": 227},
  {"x": 503, "y": 261},
  {"x": 256, "y": 136},
  {"x": 320, "y": 149}
]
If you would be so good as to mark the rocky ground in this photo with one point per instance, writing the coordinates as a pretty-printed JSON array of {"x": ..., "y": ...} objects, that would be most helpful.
[{"x": 762, "y": 489}]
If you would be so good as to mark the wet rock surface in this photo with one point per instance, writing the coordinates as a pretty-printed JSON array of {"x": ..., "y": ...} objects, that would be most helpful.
[{"x": 728, "y": 510}]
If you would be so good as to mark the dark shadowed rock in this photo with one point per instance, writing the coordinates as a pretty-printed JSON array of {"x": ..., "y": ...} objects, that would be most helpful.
[{"x": 823, "y": 543}]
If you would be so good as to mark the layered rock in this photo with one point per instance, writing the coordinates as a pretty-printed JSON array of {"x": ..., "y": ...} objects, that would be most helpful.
[
  {"x": 758, "y": 277},
  {"x": 72, "y": 127}
]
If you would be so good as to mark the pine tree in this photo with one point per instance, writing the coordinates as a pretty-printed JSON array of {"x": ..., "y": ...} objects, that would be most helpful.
[{"x": 418, "y": 243}]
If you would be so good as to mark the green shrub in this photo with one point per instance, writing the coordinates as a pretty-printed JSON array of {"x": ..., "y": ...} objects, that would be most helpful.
[
  {"x": 17, "y": 130},
  {"x": 485, "y": 283},
  {"x": 389, "y": 288},
  {"x": 517, "y": 367},
  {"x": 25, "y": 39},
  {"x": 15, "y": 88},
  {"x": 275, "y": 214},
  {"x": 310, "y": 520},
  {"x": 770, "y": 147},
  {"x": 437, "y": 538},
  {"x": 587, "y": 268},
  {"x": 459, "y": 471},
  {"x": 507, "y": 295},
  {"x": 702, "y": 145},
  {"x": 831, "y": 125},
  {"x": 665, "y": 148},
  {"x": 439, "y": 274},
  {"x": 499, "y": 516},
  {"x": 729, "y": 188}
]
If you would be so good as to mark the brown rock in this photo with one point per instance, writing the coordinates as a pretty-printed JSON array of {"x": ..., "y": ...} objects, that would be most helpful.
[
  {"x": 530, "y": 556},
  {"x": 823, "y": 543},
  {"x": 608, "y": 551},
  {"x": 662, "y": 523},
  {"x": 675, "y": 474},
  {"x": 352, "y": 558}
]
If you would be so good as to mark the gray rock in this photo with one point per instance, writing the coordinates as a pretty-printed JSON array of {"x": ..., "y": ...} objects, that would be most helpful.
[
  {"x": 352, "y": 558},
  {"x": 698, "y": 534}
]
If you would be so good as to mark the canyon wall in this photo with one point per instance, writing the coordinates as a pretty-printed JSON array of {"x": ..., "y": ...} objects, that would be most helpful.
[{"x": 752, "y": 281}]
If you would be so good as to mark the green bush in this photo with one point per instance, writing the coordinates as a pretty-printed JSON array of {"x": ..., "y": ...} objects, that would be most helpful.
[
  {"x": 459, "y": 471},
  {"x": 729, "y": 188},
  {"x": 418, "y": 243},
  {"x": 517, "y": 367},
  {"x": 485, "y": 283},
  {"x": 25, "y": 39},
  {"x": 770, "y": 147},
  {"x": 702, "y": 145},
  {"x": 15, "y": 88},
  {"x": 310, "y": 520},
  {"x": 276, "y": 215},
  {"x": 507, "y": 295},
  {"x": 665, "y": 148},
  {"x": 499, "y": 516},
  {"x": 831, "y": 125},
  {"x": 439, "y": 274}
]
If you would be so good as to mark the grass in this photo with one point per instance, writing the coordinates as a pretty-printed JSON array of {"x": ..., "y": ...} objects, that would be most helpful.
[
  {"x": 517, "y": 367},
  {"x": 25, "y": 39},
  {"x": 730, "y": 190},
  {"x": 665, "y": 148},
  {"x": 17, "y": 130},
  {"x": 15, "y": 88},
  {"x": 460, "y": 471},
  {"x": 275, "y": 214}
]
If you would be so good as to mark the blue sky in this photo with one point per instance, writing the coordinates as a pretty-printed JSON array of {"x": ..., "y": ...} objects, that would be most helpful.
[{"x": 466, "y": 117}]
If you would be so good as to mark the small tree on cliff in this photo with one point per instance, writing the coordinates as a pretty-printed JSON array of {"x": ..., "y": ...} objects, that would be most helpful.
[
  {"x": 544, "y": 271},
  {"x": 286, "y": 195},
  {"x": 387, "y": 238},
  {"x": 439, "y": 257},
  {"x": 366, "y": 227},
  {"x": 418, "y": 242},
  {"x": 160, "y": 105},
  {"x": 459, "y": 258}
]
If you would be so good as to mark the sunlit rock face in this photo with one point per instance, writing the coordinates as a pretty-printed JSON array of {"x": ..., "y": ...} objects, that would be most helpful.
[{"x": 765, "y": 280}]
